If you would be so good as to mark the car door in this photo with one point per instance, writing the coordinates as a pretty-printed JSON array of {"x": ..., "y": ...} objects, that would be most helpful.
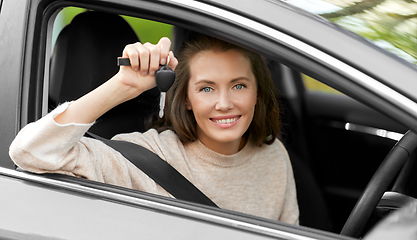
[
  {"x": 240, "y": 26},
  {"x": 56, "y": 207}
]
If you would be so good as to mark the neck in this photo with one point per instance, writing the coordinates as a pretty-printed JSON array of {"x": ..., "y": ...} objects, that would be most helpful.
[{"x": 225, "y": 148}]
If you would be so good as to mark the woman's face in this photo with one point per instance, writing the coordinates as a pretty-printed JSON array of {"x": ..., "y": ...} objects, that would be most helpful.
[{"x": 222, "y": 95}]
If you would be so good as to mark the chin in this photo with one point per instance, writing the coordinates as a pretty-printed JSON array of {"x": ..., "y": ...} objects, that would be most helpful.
[{"x": 225, "y": 139}]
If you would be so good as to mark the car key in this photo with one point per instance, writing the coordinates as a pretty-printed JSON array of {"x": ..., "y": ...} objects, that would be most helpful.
[{"x": 164, "y": 78}]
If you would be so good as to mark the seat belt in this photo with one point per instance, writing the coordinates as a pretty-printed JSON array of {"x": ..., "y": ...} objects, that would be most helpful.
[{"x": 159, "y": 170}]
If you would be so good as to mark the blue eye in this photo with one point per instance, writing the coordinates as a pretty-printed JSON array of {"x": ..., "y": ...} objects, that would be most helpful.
[
  {"x": 205, "y": 89},
  {"x": 239, "y": 86}
]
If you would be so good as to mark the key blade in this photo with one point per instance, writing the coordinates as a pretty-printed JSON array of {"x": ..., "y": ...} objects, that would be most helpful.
[{"x": 162, "y": 104}]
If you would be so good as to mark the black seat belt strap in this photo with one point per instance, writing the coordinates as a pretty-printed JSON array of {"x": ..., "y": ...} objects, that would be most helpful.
[{"x": 159, "y": 170}]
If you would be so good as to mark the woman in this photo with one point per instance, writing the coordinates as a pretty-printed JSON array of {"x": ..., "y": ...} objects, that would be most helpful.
[{"x": 220, "y": 128}]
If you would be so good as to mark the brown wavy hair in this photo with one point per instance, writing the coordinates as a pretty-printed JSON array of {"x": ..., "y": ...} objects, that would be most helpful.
[{"x": 266, "y": 123}]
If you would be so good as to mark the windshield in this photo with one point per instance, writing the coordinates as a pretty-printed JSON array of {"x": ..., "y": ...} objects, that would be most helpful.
[{"x": 390, "y": 24}]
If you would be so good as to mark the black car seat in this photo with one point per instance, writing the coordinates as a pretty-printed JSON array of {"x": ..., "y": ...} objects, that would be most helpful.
[
  {"x": 312, "y": 205},
  {"x": 84, "y": 57}
]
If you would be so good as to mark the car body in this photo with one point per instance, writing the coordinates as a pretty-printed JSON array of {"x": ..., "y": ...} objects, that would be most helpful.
[{"x": 379, "y": 94}]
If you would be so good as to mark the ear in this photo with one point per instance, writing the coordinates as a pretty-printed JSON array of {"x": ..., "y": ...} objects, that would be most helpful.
[{"x": 187, "y": 103}]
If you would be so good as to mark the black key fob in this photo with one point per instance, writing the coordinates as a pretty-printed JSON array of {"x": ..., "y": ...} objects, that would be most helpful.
[{"x": 164, "y": 78}]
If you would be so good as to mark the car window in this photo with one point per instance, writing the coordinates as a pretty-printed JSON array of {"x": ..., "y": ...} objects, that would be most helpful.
[{"x": 57, "y": 90}]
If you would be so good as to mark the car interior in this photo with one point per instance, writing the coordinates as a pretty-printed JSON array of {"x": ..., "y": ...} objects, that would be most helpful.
[
  {"x": 332, "y": 163},
  {"x": 84, "y": 57}
]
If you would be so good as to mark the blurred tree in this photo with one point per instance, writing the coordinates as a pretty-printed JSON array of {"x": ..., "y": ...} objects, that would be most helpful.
[
  {"x": 391, "y": 24},
  {"x": 356, "y": 7}
]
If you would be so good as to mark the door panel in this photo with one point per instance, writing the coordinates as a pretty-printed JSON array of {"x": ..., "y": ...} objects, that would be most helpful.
[{"x": 31, "y": 209}]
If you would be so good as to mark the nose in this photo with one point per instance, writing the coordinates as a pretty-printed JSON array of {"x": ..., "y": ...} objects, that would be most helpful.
[{"x": 224, "y": 102}]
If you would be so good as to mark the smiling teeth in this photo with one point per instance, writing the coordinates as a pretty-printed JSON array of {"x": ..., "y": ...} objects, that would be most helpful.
[{"x": 229, "y": 120}]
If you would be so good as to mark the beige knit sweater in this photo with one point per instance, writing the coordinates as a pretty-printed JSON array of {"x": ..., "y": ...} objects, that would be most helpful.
[{"x": 256, "y": 180}]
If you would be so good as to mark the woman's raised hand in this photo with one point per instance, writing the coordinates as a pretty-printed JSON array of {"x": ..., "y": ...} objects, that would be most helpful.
[
  {"x": 145, "y": 60},
  {"x": 128, "y": 83}
]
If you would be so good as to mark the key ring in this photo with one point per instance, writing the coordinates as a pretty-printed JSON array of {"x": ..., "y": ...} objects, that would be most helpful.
[{"x": 168, "y": 59}]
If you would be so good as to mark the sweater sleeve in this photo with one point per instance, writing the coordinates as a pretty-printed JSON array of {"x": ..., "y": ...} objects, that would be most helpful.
[{"x": 45, "y": 146}]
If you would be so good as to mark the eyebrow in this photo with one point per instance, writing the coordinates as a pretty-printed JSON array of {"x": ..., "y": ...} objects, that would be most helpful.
[{"x": 212, "y": 82}]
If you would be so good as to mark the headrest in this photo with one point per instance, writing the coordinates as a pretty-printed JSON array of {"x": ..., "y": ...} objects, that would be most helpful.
[
  {"x": 85, "y": 54},
  {"x": 84, "y": 57}
]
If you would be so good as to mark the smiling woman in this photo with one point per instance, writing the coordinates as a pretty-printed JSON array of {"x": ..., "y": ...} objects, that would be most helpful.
[
  {"x": 215, "y": 129},
  {"x": 223, "y": 104},
  {"x": 235, "y": 66}
]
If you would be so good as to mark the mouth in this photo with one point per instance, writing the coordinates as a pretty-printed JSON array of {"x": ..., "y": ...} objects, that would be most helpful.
[{"x": 225, "y": 120}]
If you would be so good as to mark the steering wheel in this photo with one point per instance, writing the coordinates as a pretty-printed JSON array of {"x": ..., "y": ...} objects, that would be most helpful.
[{"x": 379, "y": 183}]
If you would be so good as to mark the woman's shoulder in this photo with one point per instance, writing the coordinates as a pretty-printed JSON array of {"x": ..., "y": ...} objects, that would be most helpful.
[
  {"x": 275, "y": 148},
  {"x": 165, "y": 144},
  {"x": 150, "y": 135},
  {"x": 152, "y": 139},
  {"x": 274, "y": 153}
]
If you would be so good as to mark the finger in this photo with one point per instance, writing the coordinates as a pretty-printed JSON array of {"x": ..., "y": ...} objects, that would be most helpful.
[
  {"x": 131, "y": 52},
  {"x": 173, "y": 61},
  {"x": 144, "y": 60},
  {"x": 164, "y": 44},
  {"x": 155, "y": 53}
]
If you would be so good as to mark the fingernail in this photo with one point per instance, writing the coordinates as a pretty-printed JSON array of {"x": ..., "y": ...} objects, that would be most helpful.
[
  {"x": 152, "y": 73},
  {"x": 163, "y": 61},
  {"x": 144, "y": 74}
]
